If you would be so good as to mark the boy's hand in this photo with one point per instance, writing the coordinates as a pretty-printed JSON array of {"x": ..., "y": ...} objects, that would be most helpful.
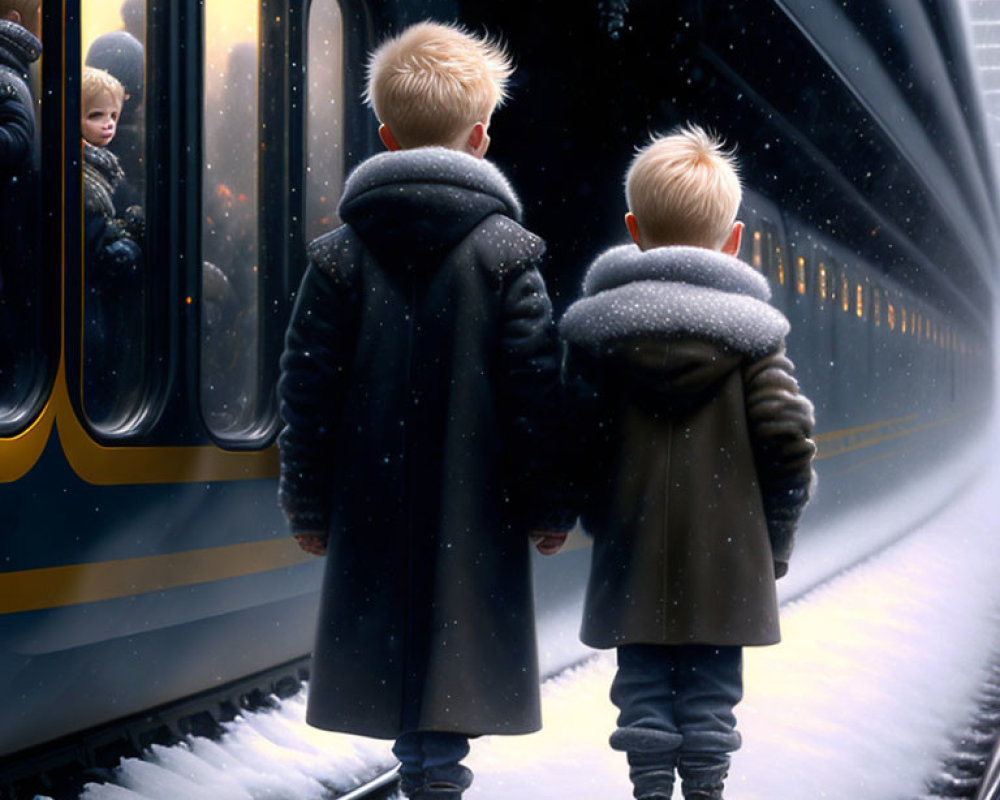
[
  {"x": 548, "y": 542},
  {"x": 312, "y": 542}
]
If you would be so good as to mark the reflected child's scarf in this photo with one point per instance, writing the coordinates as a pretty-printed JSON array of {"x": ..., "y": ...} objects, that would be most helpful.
[{"x": 101, "y": 174}]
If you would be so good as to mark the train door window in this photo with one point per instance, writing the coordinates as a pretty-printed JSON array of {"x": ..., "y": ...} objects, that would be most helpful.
[
  {"x": 231, "y": 395},
  {"x": 117, "y": 334},
  {"x": 324, "y": 123},
  {"x": 28, "y": 331}
]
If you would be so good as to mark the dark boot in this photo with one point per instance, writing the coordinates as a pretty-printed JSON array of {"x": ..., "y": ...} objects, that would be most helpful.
[
  {"x": 439, "y": 790},
  {"x": 702, "y": 776},
  {"x": 444, "y": 783},
  {"x": 652, "y": 757}
]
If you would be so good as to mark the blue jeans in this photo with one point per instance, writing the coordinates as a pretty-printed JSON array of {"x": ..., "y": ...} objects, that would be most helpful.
[
  {"x": 676, "y": 709},
  {"x": 428, "y": 757}
]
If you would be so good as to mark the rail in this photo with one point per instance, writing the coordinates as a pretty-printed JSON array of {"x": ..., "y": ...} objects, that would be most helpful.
[
  {"x": 989, "y": 789},
  {"x": 376, "y": 789}
]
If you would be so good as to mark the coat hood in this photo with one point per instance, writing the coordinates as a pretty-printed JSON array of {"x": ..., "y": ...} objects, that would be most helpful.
[
  {"x": 18, "y": 46},
  {"x": 676, "y": 319},
  {"x": 411, "y": 207}
]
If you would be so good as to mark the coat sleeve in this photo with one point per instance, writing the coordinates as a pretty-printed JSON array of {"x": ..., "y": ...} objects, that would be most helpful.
[
  {"x": 315, "y": 369},
  {"x": 533, "y": 398},
  {"x": 781, "y": 421},
  {"x": 17, "y": 129}
]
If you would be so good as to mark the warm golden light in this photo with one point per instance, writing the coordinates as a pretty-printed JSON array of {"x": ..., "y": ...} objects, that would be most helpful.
[
  {"x": 227, "y": 24},
  {"x": 96, "y": 19}
]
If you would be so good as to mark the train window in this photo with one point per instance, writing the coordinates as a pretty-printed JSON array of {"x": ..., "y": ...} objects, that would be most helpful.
[
  {"x": 891, "y": 317},
  {"x": 756, "y": 252},
  {"x": 800, "y": 275},
  {"x": 845, "y": 291},
  {"x": 902, "y": 319},
  {"x": 230, "y": 344},
  {"x": 779, "y": 260},
  {"x": 324, "y": 124},
  {"x": 117, "y": 330},
  {"x": 859, "y": 302},
  {"x": 877, "y": 307},
  {"x": 822, "y": 282},
  {"x": 25, "y": 289}
]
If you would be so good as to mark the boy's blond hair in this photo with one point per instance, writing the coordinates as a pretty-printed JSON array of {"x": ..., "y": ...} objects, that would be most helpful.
[
  {"x": 684, "y": 188},
  {"x": 94, "y": 83},
  {"x": 28, "y": 9},
  {"x": 432, "y": 81}
]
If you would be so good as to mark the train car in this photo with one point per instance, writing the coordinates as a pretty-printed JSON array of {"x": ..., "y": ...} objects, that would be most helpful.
[{"x": 144, "y": 565}]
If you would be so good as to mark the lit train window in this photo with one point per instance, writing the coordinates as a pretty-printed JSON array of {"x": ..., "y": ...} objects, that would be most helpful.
[
  {"x": 823, "y": 282},
  {"x": 230, "y": 347},
  {"x": 877, "y": 307},
  {"x": 756, "y": 256},
  {"x": 859, "y": 302},
  {"x": 902, "y": 319},
  {"x": 800, "y": 275},
  {"x": 117, "y": 318},
  {"x": 780, "y": 263},
  {"x": 891, "y": 316},
  {"x": 324, "y": 124},
  {"x": 845, "y": 292}
]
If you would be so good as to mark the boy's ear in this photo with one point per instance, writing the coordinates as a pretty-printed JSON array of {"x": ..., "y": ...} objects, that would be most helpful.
[
  {"x": 13, "y": 16},
  {"x": 388, "y": 139},
  {"x": 478, "y": 140},
  {"x": 633, "y": 227},
  {"x": 732, "y": 244}
]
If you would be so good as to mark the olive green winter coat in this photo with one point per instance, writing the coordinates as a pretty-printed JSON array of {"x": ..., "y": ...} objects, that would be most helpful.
[{"x": 693, "y": 440}]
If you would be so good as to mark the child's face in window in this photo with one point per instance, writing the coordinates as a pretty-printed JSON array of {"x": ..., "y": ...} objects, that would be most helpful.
[{"x": 100, "y": 120}]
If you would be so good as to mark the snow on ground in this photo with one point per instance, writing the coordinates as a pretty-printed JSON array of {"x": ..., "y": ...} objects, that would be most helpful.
[{"x": 874, "y": 671}]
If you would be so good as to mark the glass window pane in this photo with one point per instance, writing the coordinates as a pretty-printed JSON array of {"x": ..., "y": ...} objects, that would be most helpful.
[
  {"x": 230, "y": 367},
  {"x": 116, "y": 317},
  {"x": 324, "y": 126},
  {"x": 21, "y": 251}
]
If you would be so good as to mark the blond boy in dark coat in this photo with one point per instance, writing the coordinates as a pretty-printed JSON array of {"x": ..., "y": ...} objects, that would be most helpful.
[
  {"x": 420, "y": 369},
  {"x": 697, "y": 462}
]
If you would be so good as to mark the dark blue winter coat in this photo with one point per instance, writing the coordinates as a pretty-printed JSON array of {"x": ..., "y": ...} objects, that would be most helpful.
[{"x": 419, "y": 377}]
